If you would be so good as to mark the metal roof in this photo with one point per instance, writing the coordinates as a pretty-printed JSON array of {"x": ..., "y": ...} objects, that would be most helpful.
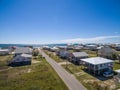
[
  {"x": 26, "y": 55},
  {"x": 2, "y": 50},
  {"x": 22, "y": 50},
  {"x": 21, "y": 58},
  {"x": 80, "y": 54},
  {"x": 97, "y": 60}
]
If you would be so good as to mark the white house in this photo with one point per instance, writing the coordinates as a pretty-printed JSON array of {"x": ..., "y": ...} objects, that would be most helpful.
[
  {"x": 4, "y": 51},
  {"x": 97, "y": 64}
]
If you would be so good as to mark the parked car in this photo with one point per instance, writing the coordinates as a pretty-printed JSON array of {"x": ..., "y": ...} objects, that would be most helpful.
[{"x": 108, "y": 73}]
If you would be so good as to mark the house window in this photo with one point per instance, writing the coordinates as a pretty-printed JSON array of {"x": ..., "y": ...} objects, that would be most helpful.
[
  {"x": 100, "y": 65},
  {"x": 96, "y": 67}
]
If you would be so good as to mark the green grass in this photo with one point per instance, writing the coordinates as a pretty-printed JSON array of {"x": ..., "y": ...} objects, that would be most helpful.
[
  {"x": 4, "y": 61},
  {"x": 116, "y": 65},
  {"x": 56, "y": 58},
  {"x": 38, "y": 76},
  {"x": 92, "y": 55},
  {"x": 118, "y": 52}
]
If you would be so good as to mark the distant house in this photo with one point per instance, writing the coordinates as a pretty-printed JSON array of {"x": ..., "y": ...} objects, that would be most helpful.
[
  {"x": 78, "y": 48},
  {"x": 21, "y": 50},
  {"x": 117, "y": 47},
  {"x": 70, "y": 46},
  {"x": 46, "y": 47},
  {"x": 98, "y": 48},
  {"x": 20, "y": 60},
  {"x": 91, "y": 47},
  {"x": 105, "y": 52},
  {"x": 63, "y": 53},
  {"x": 62, "y": 47},
  {"x": 54, "y": 49},
  {"x": 4, "y": 51},
  {"x": 97, "y": 65},
  {"x": 76, "y": 56}
]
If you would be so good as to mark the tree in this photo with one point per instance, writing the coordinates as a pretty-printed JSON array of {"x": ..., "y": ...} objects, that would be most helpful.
[
  {"x": 35, "y": 52},
  {"x": 119, "y": 58},
  {"x": 114, "y": 56}
]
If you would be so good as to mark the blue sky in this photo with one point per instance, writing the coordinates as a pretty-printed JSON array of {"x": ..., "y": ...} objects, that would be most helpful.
[{"x": 58, "y": 21}]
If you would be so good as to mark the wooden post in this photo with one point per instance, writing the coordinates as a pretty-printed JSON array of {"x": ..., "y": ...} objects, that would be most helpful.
[
  {"x": 89, "y": 68},
  {"x": 94, "y": 70}
]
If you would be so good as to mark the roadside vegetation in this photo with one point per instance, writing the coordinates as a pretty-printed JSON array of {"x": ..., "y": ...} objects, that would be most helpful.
[
  {"x": 116, "y": 65},
  {"x": 4, "y": 61},
  {"x": 52, "y": 55},
  {"x": 88, "y": 80},
  {"x": 37, "y": 76}
]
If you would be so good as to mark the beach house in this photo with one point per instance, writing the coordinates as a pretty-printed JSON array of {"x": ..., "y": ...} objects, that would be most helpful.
[
  {"x": 4, "y": 51},
  {"x": 20, "y": 60},
  {"x": 97, "y": 65},
  {"x": 106, "y": 51},
  {"x": 77, "y": 56}
]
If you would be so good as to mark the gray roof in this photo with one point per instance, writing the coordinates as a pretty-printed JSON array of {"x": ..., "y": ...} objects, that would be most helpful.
[
  {"x": 106, "y": 50},
  {"x": 20, "y": 58},
  {"x": 22, "y": 50},
  {"x": 26, "y": 55},
  {"x": 3, "y": 50},
  {"x": 80, "y": 54},
  {"x": 97, "y": 60}
]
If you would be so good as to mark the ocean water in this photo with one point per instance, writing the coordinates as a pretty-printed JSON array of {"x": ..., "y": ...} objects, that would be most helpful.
[{"x": 34, "y": 45}]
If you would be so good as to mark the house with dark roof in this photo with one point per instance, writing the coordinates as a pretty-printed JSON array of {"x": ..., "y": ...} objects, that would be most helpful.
[
  {"x": 76, "y": 56},
  {"x": 20, "y": 60},
  {"x": 117, "y": 47},
  {"x": 63, "y": 53},
  {"x": 23, "y": 56}
]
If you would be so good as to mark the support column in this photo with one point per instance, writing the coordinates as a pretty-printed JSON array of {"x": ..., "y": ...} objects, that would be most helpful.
[
  {"x": 89, "y": 68},
  {"x": 94, "y": 69}
]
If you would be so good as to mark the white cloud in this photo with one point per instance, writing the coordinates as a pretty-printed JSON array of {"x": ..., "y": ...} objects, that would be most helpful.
[
  {"x": 100, "y": 39},
  {"x": 88, "y": 40}
]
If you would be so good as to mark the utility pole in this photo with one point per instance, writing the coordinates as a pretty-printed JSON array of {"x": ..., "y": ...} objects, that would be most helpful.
[{"x": 66, "y": 58}]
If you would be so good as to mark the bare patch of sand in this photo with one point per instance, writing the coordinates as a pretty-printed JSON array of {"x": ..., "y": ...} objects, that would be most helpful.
[
  {"x": 80, "y": 73},
  {"x": 29, "y": 70},
  {"x": 64, "y": 63},
  {"x": 35, "y": 61}
]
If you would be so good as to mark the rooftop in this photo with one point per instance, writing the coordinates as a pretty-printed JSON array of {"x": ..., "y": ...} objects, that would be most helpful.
[
  {"x": 26, "y": 55},
  {"x": 97, "y": 60},
  {"x": 80, "y": 54},
  {"x": 22, "y": 50},
  {"x": 4, "y": 50}
]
